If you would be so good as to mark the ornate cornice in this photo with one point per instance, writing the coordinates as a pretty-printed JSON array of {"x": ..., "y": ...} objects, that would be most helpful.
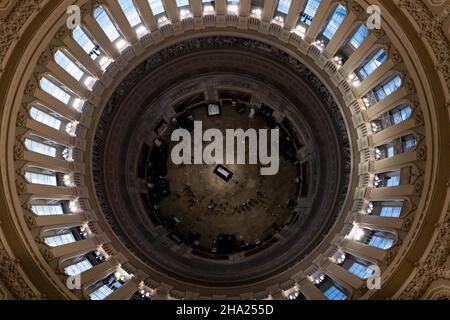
[
  {"x": 12, "y": 277},
  {"x": 12, "y": 23}
]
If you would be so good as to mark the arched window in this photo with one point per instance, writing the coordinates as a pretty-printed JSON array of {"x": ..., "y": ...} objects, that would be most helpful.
[
  {"x": 40, "y": 148},
  {"x": 40, "y": 178},
  {"x": 54, "y": 90},
  {"x": 60, "y": 240},
  {"x": 381, "y": 240},
  {"x": 382, "y": 91},
  {"x": 130, "y": 11},
  {"x": 283, "y": 6},
  {"x": 391, "y": 208},
  {"x": 45, "y": 118},
  {"x": 156, "y": 6},
  {"x": 108, "y": 286},
  {"x": 387, "y": 179},
  {"x": 47, "y": 209},
  {"x": 85, "y": 42},
  {"x": 106, "y": 24},
  {"x": 63, "y": 60},
  {"x": 391, "y": 118},
  {"x": 335, "y": 22},
  {"x": 359, "y": 36},
  {"x": 371, "y": 64}
]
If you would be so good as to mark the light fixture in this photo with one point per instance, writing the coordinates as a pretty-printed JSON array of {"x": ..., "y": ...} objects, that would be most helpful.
[
  {"x": 121, "y": 44},
  {"x": 300, "y": 30},
  {"x": 338, "y": 60},
  {"x": 185, "y": 13},
  {"x": 74, "y": 206},
  {"x": 78, "y": 104},
  {"x": 89, "y": 82},
  {"x": 141, "y": 31},
  {"x": 257, "y": 12},
  {"x": 359, "y": 234},
  {"x": 104, "y": 62}
]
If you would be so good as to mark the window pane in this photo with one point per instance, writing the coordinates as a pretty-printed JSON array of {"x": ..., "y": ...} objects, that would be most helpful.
[
  {"x": 283, "y": 6},
  {"x": 60, "y": 240},
  {"x": 45, "y": 118},
  {"x": 334, "y": 293},
  {"x": 388, "y": 88},
  {"x": 101, "y": 293},
  {"x": 40, "y": 148},
  {"x": 64, "y": 62},
  {"x": 130, "y": 11},
  {"x": 359, "y": 270},
  {"x": 156, "y": 6},
  {"x": 310, "y": 11},
  {"x": 359, "y": 36},
  {"x": 85, "y": 42},
  {"x": 47, "y": 210},
  {"x": 393, "y": 212},
  {"x": 184, "y": 3},
  {"x": 37, "y": 178},
  {"x": 55, "y": 91},
  {"x": 393, "y": 181},
  {"x": 335, "y": 22},
  {"x": 78, "y": 268},
  {"x": 106, "y": 24},
  {"x": 380, "y": 242},
  {"x": 370, "y": 66}
]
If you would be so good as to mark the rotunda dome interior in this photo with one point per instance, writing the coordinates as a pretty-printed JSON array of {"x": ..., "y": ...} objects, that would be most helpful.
[{"x": 228, "y": 149}]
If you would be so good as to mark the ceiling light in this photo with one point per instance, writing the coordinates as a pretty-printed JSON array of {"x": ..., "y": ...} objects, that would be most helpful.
[
  {"x": 141, "y": 31},
  {"x": 121, "y": 44},
  {"x": 78, "y": 104},
  {"x": 257, "y": 12},
  {"x": 104, "y": 62}
]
